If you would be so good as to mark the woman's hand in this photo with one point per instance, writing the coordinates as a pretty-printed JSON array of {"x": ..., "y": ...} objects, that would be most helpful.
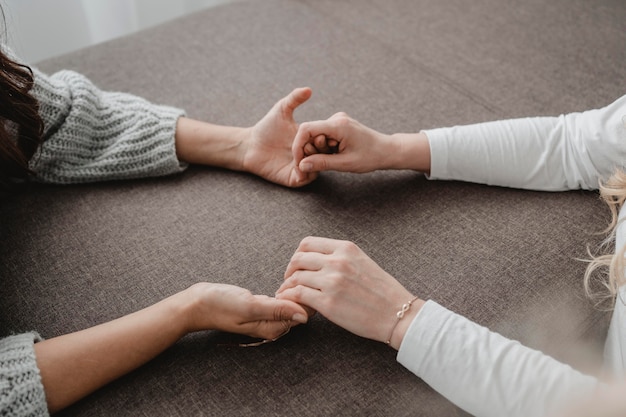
[
  {"x": 267, "y": 147},
  {"x": 263, "y": 150},
  {"x": 236, "y": 310},
  {"x": 75, "y": 364},
  {"x": 341, "y": 282},
  {"x": 340, "y": 143}
]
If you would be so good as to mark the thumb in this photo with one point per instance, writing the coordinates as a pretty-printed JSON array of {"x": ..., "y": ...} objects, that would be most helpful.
[
  {"x": 291, "y": 102},
  {"x": 273, "y": 309},
  {"x": 323, "y": 162}
]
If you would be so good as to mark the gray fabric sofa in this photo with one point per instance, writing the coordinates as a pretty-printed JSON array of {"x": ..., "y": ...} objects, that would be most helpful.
[{"x": 75, "y": 256}]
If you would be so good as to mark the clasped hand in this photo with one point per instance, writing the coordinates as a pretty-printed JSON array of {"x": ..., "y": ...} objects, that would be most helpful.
[
  {"x": 236, "y": 310},
  {"x": 340, "y": 281},
  {"x": 341, "y": 143},
  {"x": 333, "y": 277}
]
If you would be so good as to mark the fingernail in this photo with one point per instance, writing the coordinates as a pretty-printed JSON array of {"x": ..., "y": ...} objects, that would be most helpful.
[
  {"x": 300, "y": 318},
  {"x": 306, "y": 166}
]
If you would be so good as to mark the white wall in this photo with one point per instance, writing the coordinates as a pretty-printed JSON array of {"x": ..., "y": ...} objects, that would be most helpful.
[{"x": 40, "y": 29}]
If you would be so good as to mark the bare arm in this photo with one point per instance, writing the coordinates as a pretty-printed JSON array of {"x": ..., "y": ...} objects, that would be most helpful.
[
  {"x": 263, "y": 149},
  {"x": 94, "y": 135},
  {"x": 76, "y": 364}
]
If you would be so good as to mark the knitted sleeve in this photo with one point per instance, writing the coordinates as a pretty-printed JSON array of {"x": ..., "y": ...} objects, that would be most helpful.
[
  {"x": 92, "y": 135},
  {"x": 21, "y": 390}
]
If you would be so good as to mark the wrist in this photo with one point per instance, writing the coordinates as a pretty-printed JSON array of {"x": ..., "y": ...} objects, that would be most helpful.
[
  {"x": 402, "y": 325},
  {"x": 203, "y": 143},
  {"x": 411, "y": 151},
  {"x": 183, "y": 309},
  {"x": 244, "y": 139}
]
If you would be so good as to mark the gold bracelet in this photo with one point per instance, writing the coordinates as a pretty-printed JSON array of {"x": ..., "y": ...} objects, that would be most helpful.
[{"x": 399, "y": 315}]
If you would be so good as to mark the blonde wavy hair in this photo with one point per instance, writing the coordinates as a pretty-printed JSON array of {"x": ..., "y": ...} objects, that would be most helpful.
[{"x": 609, "y": 267}]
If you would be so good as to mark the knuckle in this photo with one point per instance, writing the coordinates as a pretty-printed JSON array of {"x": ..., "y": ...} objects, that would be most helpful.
[
  {"x": 304, "y": 126},
  {"x": 305, "y": 243},
  {"x": 293, "y": 279},
  {"x": 295, "y": 258},
  {"x": 340, "y": 114},
  {"x": 349, "y": 247},
  {"x": 296, "y": 293},
  {"x": 342, "y": 121}
]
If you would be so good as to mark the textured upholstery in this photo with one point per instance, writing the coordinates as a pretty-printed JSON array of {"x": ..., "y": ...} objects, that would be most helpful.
[{"x": 74, "y": 256}]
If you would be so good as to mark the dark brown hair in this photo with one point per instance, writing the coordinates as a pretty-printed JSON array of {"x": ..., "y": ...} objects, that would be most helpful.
[{"x": 19, "y": 114}]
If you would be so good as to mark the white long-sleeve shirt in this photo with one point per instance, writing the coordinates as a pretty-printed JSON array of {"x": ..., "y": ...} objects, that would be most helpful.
[{"x": 481, "y": 371}]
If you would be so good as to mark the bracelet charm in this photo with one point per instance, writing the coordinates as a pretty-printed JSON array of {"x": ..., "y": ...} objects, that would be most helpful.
[{"x": 400, "y": 314}]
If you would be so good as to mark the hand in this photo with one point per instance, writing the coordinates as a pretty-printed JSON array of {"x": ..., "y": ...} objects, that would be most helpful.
[
  {"x": 268, "y": 146},
  {"x": 264, "y": 149},
  {"x": 341, "y": 282},
  {"x": 75, "y": 364},
  {"x": 233, "y": 309},
  {"x": 341, "y": 143}
]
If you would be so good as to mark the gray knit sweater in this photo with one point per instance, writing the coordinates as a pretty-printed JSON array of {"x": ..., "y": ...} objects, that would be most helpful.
[{"x": 90, "y": 135}]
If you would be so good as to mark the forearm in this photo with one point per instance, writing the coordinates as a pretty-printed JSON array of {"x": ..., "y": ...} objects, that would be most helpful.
[
  {"x": 77, "y": 364},
  {"x": 411, "y": 151},
  {"x": 208, "y": 144},
  {"x": 74, "y": 365}
]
